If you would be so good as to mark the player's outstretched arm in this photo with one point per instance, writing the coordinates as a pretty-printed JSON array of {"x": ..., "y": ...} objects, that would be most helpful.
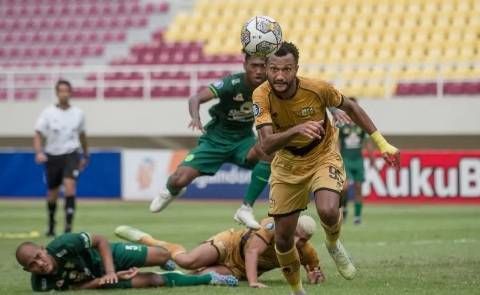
[
  {"x": 272, "y": 142},
  {"x": 194, "y": 107},
  {"x": 390, "y": 153},
  {"x": 103, "y": 247},
  {"x": 255, "y": 247}
]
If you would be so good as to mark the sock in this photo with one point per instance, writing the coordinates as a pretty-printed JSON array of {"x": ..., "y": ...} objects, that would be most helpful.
[
  {"x": 332, "y": 233},
  {"x": 290, "y": 264},
  {"x": 358, "y": 209},
  {"x": 52, "y": 208},
  {"x": 69, "y": 212},
  {"x": 173, "y": 279},
  {"x": 174, "y": 249},
  {"x": 173, "y": 191},
  {"x": 258, "y": 182}
]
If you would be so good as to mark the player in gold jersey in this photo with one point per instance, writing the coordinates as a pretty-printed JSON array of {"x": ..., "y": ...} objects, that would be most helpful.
[
  {"x": 291, "y": 119},
  {"x": 244, "y": 253}
]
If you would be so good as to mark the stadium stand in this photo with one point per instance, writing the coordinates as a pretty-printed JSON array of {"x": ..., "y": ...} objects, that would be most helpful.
[
  {"x": 368, "y": 48},
  {"x": 354, "y": 34}
]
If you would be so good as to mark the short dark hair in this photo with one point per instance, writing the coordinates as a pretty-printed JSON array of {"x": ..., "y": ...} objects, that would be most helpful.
[
  {"x": 286, "y": 48},
  {"x": 353, "y": 99},
  {"x": 63, "y": 82}
]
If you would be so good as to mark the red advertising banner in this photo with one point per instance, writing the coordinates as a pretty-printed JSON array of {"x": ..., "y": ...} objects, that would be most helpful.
[{"x": 425, "y": 177}]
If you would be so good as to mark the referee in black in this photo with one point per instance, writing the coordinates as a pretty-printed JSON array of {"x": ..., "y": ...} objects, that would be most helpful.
[{"x": 61, "y": 127}]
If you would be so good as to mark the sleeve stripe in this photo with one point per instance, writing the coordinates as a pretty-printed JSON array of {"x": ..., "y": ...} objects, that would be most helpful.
[
  {"x": 262, "y": 238},
  {"x": 263, "y": 125},
  {"x": 212, "y": 89}
]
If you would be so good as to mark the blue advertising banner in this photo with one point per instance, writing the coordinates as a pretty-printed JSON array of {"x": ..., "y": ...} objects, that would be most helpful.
[
  {"x": 230, "y": 182},
  {"x": 21, "y": 176}
]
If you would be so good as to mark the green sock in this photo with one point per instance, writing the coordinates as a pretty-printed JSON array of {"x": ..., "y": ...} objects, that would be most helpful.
[
  {"x": 173, "y": 279},
  {"x": 258, "y": 182},
  {"x": 358, "y": 209},
  {"x": 173, "y": 191}
]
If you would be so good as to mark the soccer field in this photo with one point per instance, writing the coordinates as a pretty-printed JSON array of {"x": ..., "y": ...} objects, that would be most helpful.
[{"x": 398, "y": 250}]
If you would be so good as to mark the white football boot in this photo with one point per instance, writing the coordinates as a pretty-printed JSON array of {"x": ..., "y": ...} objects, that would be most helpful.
[
  {"x": 164, "y": 198},
  {"x": 244, "y": 215},
  {"x": 343, "y": 261}
]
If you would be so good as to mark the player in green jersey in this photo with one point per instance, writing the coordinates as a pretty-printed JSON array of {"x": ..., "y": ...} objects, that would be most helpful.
[
  {"x": 352, "y": 139},
  {"x": 85, "y": 261},
  {"x": 228, "y": 137}
]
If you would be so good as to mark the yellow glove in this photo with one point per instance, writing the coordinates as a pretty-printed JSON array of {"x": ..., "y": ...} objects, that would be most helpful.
[{"x": 386, "y": 149}]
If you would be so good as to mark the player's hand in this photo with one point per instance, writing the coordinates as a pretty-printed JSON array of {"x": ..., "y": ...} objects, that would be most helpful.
[
  {"x": 315, "y": 275},
  {"x": 196, "y": 124},
  {"x": 341, "y": 117},
  {"x": 311, "y": 129},
  {"x": 40, "y": 158},
  {"x": 109, "y": 278},
  {"x": 392, "y": 157},
  {"x": 257, "y": 285},
  {"x": 127, "y": 274}
]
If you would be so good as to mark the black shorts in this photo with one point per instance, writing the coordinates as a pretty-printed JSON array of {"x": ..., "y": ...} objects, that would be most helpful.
[{"x": 59, "y": 167}]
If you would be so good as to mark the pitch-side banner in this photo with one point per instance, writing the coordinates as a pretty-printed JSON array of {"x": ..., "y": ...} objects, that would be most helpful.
[{"x": 425, "y": 177}]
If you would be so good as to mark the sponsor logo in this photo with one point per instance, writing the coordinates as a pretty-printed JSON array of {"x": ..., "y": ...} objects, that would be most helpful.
[
  {"x": 419, "y": 180},
  {"x": 238, "y": 97},
  {"x": 234, "y": 175},
  {"x": 306, "y": 112},
  {"x": 256, "y": 110},
  {"x": 235, "y": 81}
]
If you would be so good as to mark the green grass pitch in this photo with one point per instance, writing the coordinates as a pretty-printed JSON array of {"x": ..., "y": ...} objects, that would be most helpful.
[{"x": 403, "y": 249}]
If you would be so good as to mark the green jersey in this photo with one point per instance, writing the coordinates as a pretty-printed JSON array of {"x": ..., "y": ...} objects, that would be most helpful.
[
  {"x": 76, "y": 261},
  {"x": 351, "y": 141},
  {"x": 232, "y": 116}
]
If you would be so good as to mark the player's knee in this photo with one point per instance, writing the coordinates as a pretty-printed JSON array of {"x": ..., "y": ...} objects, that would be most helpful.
[
  {"x": 283, "y": 242},
  {"x": 328, "y": 215}
]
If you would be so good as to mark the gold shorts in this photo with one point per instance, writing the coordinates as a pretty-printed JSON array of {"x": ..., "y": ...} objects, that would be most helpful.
[
  {"x": 228, "y": 245},
  {"x": 292, "y": 181}
]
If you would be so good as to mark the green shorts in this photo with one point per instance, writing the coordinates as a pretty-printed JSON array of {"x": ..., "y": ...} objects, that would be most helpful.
[
  {"x": 354, "y": 169},
  {"x": 125, "y": 256},
  {"x": 210, "y": 154}
]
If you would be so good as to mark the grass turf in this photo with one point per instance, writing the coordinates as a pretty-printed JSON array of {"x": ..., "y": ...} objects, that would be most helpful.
[{"x": 397, "y": 250}]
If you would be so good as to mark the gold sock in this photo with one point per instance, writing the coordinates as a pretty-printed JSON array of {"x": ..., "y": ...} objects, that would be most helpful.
[
  {"x": 174, "y": 249},
  {"x": 290, "y": 264},
  {"x": 332, "y": 233}
]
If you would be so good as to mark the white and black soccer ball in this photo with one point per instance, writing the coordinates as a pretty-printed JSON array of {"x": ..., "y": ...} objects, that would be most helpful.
[{"x": 261, "y": 36}]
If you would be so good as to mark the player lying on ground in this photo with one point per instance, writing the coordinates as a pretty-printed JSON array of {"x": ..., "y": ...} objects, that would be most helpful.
[
  {"x": 84, "y": 261},
  {"x": 244, "y": 253}
]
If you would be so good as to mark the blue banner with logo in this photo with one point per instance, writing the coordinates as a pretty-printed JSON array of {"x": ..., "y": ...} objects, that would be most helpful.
[
  {"x": 230, "y": 182},
  {"x": 21, "y": 176}
]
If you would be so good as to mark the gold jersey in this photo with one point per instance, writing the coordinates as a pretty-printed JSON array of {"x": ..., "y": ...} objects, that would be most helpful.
[
  {"x": 309, "y": 103},
  {"x": 231, "y": 245}
]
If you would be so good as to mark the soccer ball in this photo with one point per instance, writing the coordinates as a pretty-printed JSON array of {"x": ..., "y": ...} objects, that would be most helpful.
[{"x": 261, "y": 36}]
